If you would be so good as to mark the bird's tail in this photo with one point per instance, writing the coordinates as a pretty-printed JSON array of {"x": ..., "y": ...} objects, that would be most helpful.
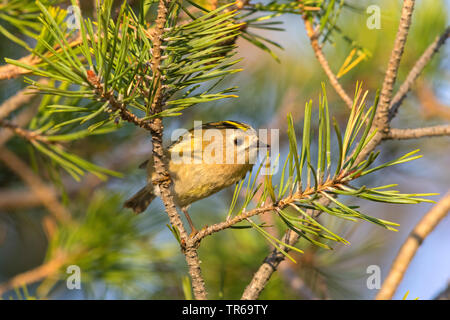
[{"x": 140, "y": 201}]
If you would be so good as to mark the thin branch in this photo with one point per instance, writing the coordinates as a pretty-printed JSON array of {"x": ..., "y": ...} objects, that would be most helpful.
[
  {"x": 163, "y": 179},
  {"x": 425, "y": 226},
  {"x": 382, "y": 117},
  {"x": 280, "y": 205},
  {"x": 381, "y": 123},
  {"x": 115, "y": 104},
  {"x": 296, "y": 282},
  {"x": 324, "y": 63},
  {"x": 42, "y": 191},
  {"x": 24, "y": 133},
  {"x": 9, "y": 71},
  {"x": 403, "y": 134},
  {"x": 16, "y": 101},
  {"x": 273, "y": 260},
  {"x": 21, "y": 120},
  {"x": 34, "y": 275},
  {"x": 18, "y": 199},
  {"x": 444, "y": 294},
  {"x": 416, "y": 71}
]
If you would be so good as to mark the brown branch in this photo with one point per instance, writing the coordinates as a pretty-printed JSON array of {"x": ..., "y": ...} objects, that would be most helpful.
[
  {"x": 16, "y": 101},
  {"x": 381, "y": 123},
  {"x": 444, "y": 294},
  {"x": 24, "y": 133},
  {"x": 273, "y": 260},
  {"x": 21, "y": 120},
  {"x": 324, "y": 63},
  {"x": 425, "y": 226},
  {"x": 382, "y": 117},
  {"x": 34, "y": 275},
  {"x": 9, "y": 71},
  {"x": 18, "y": 199},
  {"x": 296, "y": 282},
  {"x": 115, "y": 104},
  {"x": 42, "y": 191},
  {"x": 403, "y": 134},
  {"x": 280, "y": 205},
  {"x": 416, "y": 71},
  {"x": 163, "y": 179}
]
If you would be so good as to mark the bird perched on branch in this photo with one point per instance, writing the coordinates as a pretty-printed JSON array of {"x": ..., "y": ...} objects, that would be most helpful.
[{"x": 203, "y": 161}]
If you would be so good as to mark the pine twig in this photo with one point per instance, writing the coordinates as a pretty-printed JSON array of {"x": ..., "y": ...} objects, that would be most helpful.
[
  {"x": 382, "y": 121},
  {"x": 16, "y": 101},
  {"x": 403, "y": 134},
  {"x": 163, "y": 177},
  {"x": 382, "y": 117},
  {"x": 115, "y": 104},
  {"x": 37, "y": 186},
  {"x": 280, "y": 205},
  {"x": 22, "y": 119},
  {"x": 24, "y": 133},
  {"x": 271, "y": 262},
  {"x": 34, "y": 275},
  {"x": 444, "y": 294},
  {"x": 9, "y": 71},
  {"x": 18, "y": 199},
  {"x": 324, "y": 63},
  {"x": 416, "y": 71},
  {"x": 425, "y": 226}
]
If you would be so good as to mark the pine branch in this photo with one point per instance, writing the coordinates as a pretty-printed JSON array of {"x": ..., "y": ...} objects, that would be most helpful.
[
  {"x": 444, "y": 294},
  {"x": 312, "y": 35},
  {"x": 18, "y": 199},
  {"x": 403, "y": 134},
  {"x": 417, "y": 69},
  {"x": 306, "y": 194},
  {"x": 265, "y": 271},
  {"x": 28, "y": 277},
  {"x": 382, "y": 121},
  {"x": 13, "y": 103},
  {"x": 44, "y": 193},
  {"x": 116, "y": 105},
  {"x": 163, "y": 177},
  {"x": 22, "y": 119},
  {"x": 404, "y": 257},
  {"x": 23, "y": 133},
  {"x": 382, "y": 117}
]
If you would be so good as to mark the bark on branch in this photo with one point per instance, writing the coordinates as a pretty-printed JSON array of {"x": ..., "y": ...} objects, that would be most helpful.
[
  {"x": 403, "y": 134},
  {"x": 324, "y": 63},
  {"x": 160, "y": 162},
  {"x": 381, "y": 123},
  {"x": 416, "y": 71},
  {"x": 404, "y": 257},
  {"x": 42, "y": 191},
  {"x": 34, "y": 275}
]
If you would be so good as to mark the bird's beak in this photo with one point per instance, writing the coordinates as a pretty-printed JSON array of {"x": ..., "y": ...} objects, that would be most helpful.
[{"x": 262, "y": 145}]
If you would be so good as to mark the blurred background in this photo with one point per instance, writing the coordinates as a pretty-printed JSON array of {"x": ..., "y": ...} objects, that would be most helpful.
[{"x": 137, "y": 257}]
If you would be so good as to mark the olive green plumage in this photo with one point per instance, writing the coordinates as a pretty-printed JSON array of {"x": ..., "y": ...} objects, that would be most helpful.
[{"x": 203, "y": 161}]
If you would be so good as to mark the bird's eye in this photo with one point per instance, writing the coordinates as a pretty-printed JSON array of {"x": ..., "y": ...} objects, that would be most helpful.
[{"x": 238, "y": 141}]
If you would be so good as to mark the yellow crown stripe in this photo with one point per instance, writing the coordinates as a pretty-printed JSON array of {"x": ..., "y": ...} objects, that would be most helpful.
[{"x": 237, "y": 125}]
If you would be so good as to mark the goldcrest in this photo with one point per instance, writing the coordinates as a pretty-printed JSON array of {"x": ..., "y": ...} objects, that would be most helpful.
[{"x": 203, "y": 161}]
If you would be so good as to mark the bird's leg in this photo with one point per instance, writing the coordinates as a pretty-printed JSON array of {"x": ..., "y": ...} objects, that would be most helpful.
[{"x": 193, "y": 230}]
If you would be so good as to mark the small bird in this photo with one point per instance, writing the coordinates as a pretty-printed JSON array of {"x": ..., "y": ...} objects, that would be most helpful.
[{"x": 203, "y": 161}]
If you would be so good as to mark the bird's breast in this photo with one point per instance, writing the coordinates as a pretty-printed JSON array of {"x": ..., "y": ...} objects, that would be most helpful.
[{"x": 192, "y": 182}]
